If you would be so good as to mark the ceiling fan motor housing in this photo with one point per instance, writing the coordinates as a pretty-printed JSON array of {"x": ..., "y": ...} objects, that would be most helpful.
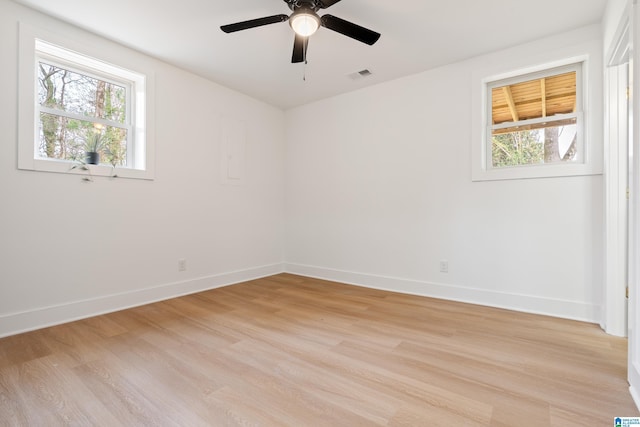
[{"x": 303, "y": 4}]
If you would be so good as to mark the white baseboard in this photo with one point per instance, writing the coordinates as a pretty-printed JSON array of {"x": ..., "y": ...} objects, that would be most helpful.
[
  {"x": 525, "y": 303},
  {"x": 635, "y": 396},
  {"x": 15, "y": 323}
]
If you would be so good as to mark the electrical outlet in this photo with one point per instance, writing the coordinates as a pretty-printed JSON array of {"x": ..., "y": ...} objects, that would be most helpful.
[
  {"x": 182, "y": 264},
  {"x": 444, "y": 266}
]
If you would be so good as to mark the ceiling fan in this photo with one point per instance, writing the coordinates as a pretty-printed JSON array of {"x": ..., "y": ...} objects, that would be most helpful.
[{"x": 305, "y": 21}]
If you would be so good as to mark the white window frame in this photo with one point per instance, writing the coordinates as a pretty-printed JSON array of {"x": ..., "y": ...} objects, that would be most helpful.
[
  {"x": 37, "y": 45},
  {"x": 589, "y": 160}
]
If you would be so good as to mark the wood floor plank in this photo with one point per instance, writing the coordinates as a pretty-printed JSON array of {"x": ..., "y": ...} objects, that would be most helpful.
[
  {"x": 49, "y": 385},
  {"x": 288, "y": 350},
  {"x": 22, "y": 348}
]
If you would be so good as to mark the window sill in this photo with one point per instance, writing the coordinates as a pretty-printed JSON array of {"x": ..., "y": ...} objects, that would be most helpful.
[
  {"x": 58, "y": 166},
  {"x": 533, "y": 171}
]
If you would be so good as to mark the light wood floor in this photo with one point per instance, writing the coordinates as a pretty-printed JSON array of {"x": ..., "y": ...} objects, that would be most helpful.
[{"x": 294, "y": 351}]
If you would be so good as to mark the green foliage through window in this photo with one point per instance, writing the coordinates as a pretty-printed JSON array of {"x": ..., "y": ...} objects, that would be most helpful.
[
  {"x": 81, "y": 113},
  {"x": 534, "y": 146}
]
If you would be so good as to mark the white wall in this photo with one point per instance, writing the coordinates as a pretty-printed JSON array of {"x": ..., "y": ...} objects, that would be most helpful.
[
  {"x": 379, "y": 190},
  {"x": 70, "y": 249},
  {"x": 611, "y": 19}
]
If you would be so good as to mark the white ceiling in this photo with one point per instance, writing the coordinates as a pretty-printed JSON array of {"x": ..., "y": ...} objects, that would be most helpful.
[{"x": 416, "y": 35}]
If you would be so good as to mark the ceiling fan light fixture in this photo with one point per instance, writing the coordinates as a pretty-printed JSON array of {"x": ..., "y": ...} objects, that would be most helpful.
[{"x": 304, "y": 22}]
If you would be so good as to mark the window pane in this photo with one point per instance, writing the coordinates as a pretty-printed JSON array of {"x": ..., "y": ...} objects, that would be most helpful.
[
  {"x": 534, "y": 99},
  {"x": 69, "y": 91},
  {"x": 70, "y": 139},
  {"x": 535, "y": 145}
]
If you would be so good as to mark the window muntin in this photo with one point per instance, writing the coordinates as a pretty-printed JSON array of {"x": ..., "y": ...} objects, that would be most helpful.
[{"x": 536, "y": 119}]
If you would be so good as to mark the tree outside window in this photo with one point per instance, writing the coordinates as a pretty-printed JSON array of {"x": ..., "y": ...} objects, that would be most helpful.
[{"x": 81, "y": 113}]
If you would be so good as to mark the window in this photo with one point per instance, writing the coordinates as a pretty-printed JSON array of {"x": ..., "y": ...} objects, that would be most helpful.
[
  {"x": 76, "y": 104},
  {"x": 536, "y": 118}
]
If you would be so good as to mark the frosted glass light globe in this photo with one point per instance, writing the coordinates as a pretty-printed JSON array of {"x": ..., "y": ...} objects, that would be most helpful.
[{"x": 304, "y": 23}]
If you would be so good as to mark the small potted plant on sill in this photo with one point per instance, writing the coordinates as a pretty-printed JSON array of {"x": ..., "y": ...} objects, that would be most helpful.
[{"x": 93, "y": 144}]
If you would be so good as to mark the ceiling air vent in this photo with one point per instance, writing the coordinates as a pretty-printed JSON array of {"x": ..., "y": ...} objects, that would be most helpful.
[{"x": 360, "y": 74}]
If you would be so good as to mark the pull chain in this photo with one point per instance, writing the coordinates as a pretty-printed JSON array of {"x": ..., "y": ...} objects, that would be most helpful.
[{"x": 304, "y": 55}]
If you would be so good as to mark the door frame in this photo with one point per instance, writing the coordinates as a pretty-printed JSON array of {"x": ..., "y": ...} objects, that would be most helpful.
[
  {"x": 616, "y": 180},
  {"x": 633, "y": 371}
]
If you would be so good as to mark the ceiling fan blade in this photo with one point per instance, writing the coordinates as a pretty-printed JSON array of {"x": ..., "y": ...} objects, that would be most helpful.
[
  {"x": 350, "y": 29},
  {"x": 252, "y": 23},
  {"x": 300, "y": 45},
  {"x": 323, "y": 4}
]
